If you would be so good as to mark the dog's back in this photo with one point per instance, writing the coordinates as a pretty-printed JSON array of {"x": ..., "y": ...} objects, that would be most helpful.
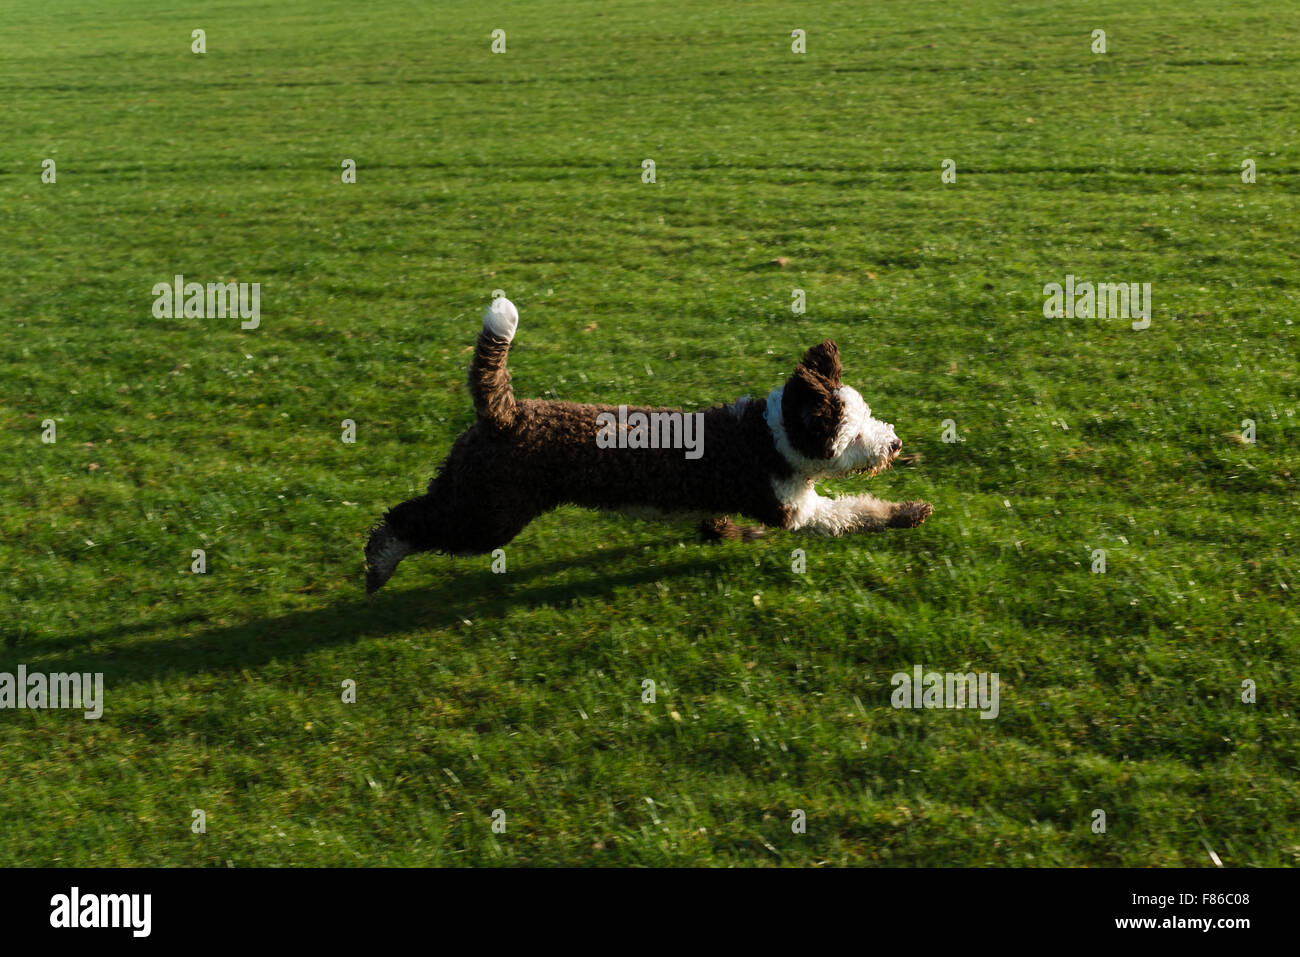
[{"x": 622, "y": 458}]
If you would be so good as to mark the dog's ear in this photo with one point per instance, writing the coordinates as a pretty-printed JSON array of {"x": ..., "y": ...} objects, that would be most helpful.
[
  {"x": 824, "y": 360},
  {"x": 810, "y": 408}
]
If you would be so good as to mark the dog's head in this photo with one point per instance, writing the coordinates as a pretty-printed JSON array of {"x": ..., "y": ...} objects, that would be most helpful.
[{"x": 823, "y": 427}]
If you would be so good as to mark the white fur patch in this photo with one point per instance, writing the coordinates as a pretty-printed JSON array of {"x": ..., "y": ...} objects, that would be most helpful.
[
  {"x": 829, "y": 516},
  {"x": 501, "y": 318},
  {"x": 870, "y": 441},
  {"x": 798, "y": 495}
]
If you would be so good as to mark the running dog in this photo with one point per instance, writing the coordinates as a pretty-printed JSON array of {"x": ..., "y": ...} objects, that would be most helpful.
[{"x": 757, "y": 458}]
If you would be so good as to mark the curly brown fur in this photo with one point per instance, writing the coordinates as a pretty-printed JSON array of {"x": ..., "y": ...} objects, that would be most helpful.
[{"x": 489, "y": 382}]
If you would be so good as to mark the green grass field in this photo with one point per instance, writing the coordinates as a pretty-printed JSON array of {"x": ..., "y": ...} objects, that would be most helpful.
[{"x": 522, "y": 171}]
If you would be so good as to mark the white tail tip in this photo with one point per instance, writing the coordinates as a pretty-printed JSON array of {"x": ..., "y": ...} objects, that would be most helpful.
[{"x": 501, "y": 318}]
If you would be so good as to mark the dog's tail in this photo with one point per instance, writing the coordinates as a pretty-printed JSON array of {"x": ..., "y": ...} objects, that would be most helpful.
[{"x": 489, "y": 382}]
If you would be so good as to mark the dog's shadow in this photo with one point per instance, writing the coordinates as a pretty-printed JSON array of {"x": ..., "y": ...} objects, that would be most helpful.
[{"x": 127, "y": 655}]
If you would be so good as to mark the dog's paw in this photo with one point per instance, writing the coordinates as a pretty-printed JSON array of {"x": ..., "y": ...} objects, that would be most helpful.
[
  {"x": 724, "y": 529},
  {"x": 910, "y": 514},
  {"x": 501, "y": 318}
]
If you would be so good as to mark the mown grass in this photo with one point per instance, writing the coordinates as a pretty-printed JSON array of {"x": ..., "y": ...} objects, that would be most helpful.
[{"x": 522, "y": 171}]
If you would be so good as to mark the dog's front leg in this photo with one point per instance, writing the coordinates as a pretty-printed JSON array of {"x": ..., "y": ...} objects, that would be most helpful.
[
  {"x": 724, "y": 529},
  {"x": 856, "y": 513}
]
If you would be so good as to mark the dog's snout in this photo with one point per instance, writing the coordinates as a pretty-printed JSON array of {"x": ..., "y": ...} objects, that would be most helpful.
[{"x": 895, "y": 445}]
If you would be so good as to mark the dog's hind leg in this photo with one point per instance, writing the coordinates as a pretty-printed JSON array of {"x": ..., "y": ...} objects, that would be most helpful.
[
  {"x": 454, "y": 521},
  {"x": 384, "y": 551},
  {"x": 421, "y": 524},
  {"x": 404, "y": 530}
]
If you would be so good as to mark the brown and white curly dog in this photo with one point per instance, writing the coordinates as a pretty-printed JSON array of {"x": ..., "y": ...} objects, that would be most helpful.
[{"x": 525, "y": 457}]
